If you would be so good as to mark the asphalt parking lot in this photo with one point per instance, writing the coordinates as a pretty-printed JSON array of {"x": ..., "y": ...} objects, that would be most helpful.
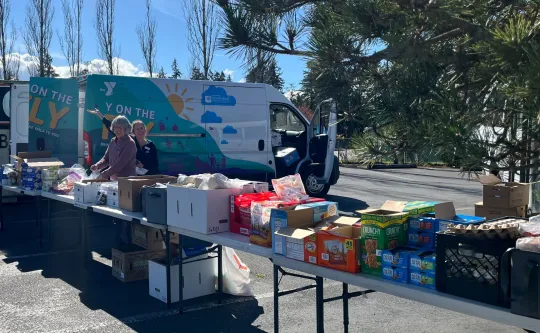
[{"x": 51, "y": 291}]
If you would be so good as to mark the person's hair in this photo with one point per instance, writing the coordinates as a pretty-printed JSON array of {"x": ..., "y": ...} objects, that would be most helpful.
[
  {"x": 121, "y": 121},
  {"x": 138, "y": 121}
]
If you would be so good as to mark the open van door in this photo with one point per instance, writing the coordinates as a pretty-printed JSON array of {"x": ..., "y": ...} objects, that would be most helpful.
[
  {"x": 324, "y": 170},
  {"x": 19, "y": 100}
]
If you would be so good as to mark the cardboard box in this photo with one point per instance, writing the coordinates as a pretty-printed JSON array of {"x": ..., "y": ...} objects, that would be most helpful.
[
  {"x": 321, "y": 210},
  {"x": 382, "y": 229},
  {"x": 445, "y": 214},
  {"x": 86, "y": 191},
  {"x": 129, "y": 190},
  {"x": 504, "y": 195},
  {"x": 340, "y": 248},
  {"x": 421, "y": 240},
  {"x": 423, "y": 261},
  {"x": 398, "y": 257},
  {"x": 422, "y": 279},
  {"x": 296, "y": 243},
  {"x": 398, "y": 274},
  {"x": 493, "y": 213},
  {"x": 130, "y": 263},
  {"x": 150, "y": 238},
  {"x": 36, "y": 159},
  {"x": 281, "y": 218},
  {"x": 198, "y": 279},
  {"x": 419, "y": 208},
  {"x": 204, "y": 211}
]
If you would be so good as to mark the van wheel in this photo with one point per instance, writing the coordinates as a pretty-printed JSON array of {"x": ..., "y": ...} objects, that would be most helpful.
[{"x": 313, "y": 189}]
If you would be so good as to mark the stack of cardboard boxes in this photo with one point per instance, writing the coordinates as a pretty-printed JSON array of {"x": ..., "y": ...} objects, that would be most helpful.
[{"x": 502, "y": 199}]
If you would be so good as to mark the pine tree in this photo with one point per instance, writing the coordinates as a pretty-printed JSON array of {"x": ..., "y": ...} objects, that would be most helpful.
[
  {"x": 229, "y": 78},
  {"x": 49, "y": 68},
  {"x": 266, "y": 72},
  {"x": 196, "y": 74},
  {"x": 176, "y": 73},
  {"x": 218, "y": 76},
  {"x": 161, "y": 74}
]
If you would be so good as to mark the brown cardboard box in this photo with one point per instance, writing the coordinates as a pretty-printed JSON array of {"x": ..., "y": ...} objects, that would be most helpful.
[
  {"x": 340, "y": 248},
  {"x": 129, "y": 190},
  {"x": 150, "y": 238},
  {"x": 35, "y": 159},
  {"x": 493, "y": 213},
  {"x": 130, "y": 263},
  {"x": 504, "y": 195}
]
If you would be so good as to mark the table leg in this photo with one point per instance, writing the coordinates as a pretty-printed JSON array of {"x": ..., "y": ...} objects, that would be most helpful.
[
  {"x": 276, "y": 298},
  {"x": 319, "y": 292},
  {"x": 220, "y": 274},
  {"x": 181, "y": 275},
  {"x": 345, "y": 308},
  {"x": 1, "y": 208},
  {"x": 84, "y": 238},
  {"x": 168, "y": 267},
  {"x": 38, "y": 220}
]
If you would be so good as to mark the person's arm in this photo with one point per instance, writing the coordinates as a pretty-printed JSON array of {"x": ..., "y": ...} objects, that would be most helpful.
[
  {"x": 106, "y": 122},
  {"x": 104, "y": 161},
  {"x": 126, "y": 156}
]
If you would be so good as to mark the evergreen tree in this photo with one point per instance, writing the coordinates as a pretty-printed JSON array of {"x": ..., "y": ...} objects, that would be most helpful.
[
  {"x": 218, "y": 76},
  {"x": 229, "y": 78},
  {"x": 266, "y": 72},
  {"x": 161, "y": 74},
  {"x": 196, "y": 74},
  {"x": 176, "y": 73},
  {"x": 49, "y": 68}
]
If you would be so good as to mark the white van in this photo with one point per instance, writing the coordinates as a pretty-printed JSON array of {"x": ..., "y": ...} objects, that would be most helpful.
[{"x": 244, "y": 130}]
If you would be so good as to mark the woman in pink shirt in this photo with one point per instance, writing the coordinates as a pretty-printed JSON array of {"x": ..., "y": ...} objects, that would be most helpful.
[{"x": 120, "y": 157}]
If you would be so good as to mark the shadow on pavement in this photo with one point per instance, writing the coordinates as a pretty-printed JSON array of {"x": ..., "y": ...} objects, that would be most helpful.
[
  {"x": 346, "y": 204},
  {"x": 62, "y": 259}
]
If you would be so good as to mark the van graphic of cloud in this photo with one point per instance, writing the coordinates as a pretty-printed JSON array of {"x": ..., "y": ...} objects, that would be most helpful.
[
  {"x": 224, "y": 142},
  {"x": 210, "y": 117},
  {"x": 229, "y": 130},
  {"x": 217, "y": 96}
]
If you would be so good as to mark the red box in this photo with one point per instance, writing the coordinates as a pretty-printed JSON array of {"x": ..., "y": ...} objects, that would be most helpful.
[
  {"x": 240, "y": 214},
  {"x": 340, "y": 249}
]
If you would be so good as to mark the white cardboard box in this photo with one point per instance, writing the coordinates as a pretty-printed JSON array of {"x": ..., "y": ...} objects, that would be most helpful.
[
  {"x": 112, "y": 199},
  {"x": 199, "y": 279},
  {"x": 203, "y": 211},
  {"x": 85, "y": 193}
]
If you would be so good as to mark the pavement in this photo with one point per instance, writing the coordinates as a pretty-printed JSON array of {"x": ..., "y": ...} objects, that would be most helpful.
[{"x": 49, "y": 290}]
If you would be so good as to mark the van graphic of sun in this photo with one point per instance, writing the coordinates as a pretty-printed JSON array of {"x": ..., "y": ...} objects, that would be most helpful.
[{"x": 177, "y": 101}]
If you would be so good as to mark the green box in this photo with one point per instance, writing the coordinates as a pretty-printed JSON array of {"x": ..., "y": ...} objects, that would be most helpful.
[
  {"x": 419, "y": 208},
  {"x": 381, "y": 230}
]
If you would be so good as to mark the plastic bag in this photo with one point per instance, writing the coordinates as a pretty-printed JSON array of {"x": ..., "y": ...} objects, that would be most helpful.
[
  {"x": 290, "y": 188},
  {"x": 93, "y": 175},
  {"x": 530, "y": 229},
  {"x": 531, "y": 244},
  {"x": 235, "y": 274}
]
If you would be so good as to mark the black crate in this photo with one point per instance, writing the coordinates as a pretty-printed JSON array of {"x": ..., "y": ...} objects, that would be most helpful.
[{"x": 470, "y": 267}]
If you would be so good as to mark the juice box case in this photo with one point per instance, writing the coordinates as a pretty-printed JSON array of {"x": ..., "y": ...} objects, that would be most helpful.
[
  {"x": 422, "y": 279},
  {"x": 398, "y": 257},
  {"x": 418, "y": 208},
  {"x": 321, "y": 210},
  {"x": 397, "y": 274},
  {"x": 423, "y": 261}
]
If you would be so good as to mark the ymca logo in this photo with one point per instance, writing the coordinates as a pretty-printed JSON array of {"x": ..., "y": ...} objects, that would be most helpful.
[{"x": 110, "y": 86}]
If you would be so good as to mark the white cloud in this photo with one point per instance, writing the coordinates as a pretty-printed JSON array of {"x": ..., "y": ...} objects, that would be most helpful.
[
  {"x": 229, "y": 72},
  {"x": 97, "y": 66},
  {"x": 171, "y": 8}
]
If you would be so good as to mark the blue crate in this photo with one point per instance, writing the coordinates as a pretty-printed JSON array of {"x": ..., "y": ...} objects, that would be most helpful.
[
  {"x": 422, "y": 279},
  {"x": 423, "y": 261},
  {"x": 421, "y": 240}
]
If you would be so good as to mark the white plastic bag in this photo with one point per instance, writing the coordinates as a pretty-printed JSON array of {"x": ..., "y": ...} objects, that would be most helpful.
[{"x": 235, "y": 274}]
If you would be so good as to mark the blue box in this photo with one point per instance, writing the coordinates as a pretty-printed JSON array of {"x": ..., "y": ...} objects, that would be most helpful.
[
  {"x": 426, "y": 224},
  {"x": 442, "y": 225},
  {"x": 397, "y": 274},
  {"x": 321, "y": 210},
  {"x": 421, "y": 240},
  {"x": 422, "y": 279},
  {"x": 398, "y": 257},
  {"x": 423, "y": 261}
]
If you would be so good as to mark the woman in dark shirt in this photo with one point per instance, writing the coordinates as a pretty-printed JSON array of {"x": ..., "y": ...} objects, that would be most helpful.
[{"x": 146, "y": 149}]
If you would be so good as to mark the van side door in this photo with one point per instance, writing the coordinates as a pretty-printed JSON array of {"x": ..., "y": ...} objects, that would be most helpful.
[{"x": 236, "y": 121}]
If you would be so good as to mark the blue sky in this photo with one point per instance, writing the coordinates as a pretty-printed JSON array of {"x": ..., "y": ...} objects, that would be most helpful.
[{"x": 171, "y": 37}]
